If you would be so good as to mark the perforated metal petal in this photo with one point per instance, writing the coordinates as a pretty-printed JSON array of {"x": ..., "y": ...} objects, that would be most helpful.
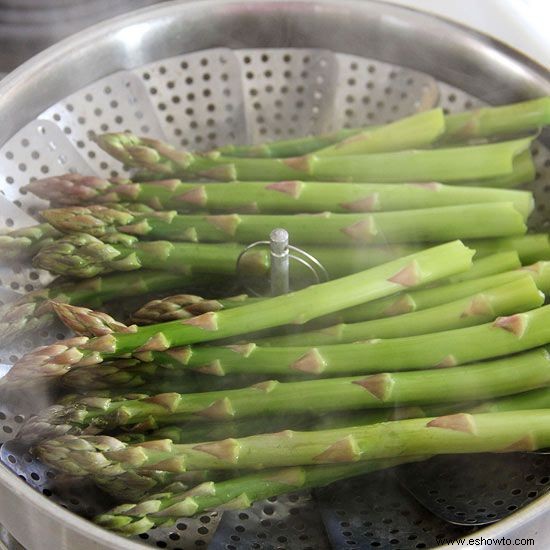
[
  {"x": 287, "y": 521},
  {"x": 116, "y": 103},
  {"x": 375, "y": 512},
  {"x": 372, "y": 92},
  {"x": 288, "y": 93},
  {"x": 477, "y": 490},
  {"x": 38, "y": 150},
  {"x": 198, "y": 98}
]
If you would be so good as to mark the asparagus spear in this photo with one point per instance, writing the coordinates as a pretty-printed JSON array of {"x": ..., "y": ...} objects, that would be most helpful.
[
  {"x": 531, "y": 400},
  {"x": 485, "y": 122},
  {"x": 194, "y": 432},
  {"x": 518, "y": 295},
  {"x": 33, "y": 311},
  {"x": 445, "y": 348},
  {"x": 458, "y": 433},
  {"x": 134, "y": 485},
  {"x": 415, "y": 131},
  {"x": 444, "y": 165},
  {"x": 269, "y": 197},
  {"x": 82, "y": 255},
  {"x": 512, "y": 334},
  {"x": 429, "y": 224},
  {"x": 523, "y": 171},
  {"x": 513, "y": 297},
  {"x": 489, "y": 265},
  {"x": 94, "y": 256},
  {"x": 164, "y": 508},
  {"x": 289, "y": 147},
  {"x": 295, "y": 307},
  {"x": 425, "y": 298},
  {"x": 22, "y": 244},
  {"x": 130, "y": 374},
  {"x": 527, "y": 249},
  {"x": 184, "y": 306},
  {"x": 530, "y": 248},
  {"x": 131, "y": 487},
  {"x": 484, "y": 380},
  {"x": 506, "y": 119}
]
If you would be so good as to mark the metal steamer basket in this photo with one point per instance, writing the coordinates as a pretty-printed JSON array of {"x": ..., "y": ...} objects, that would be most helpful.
[{"x": 205, "y": 73}]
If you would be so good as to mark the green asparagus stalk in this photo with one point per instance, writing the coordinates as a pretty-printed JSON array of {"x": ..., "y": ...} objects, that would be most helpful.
[
  {"x": 123, "y": 519},
  {"x": 89, "y": 397},
  {"x": 417, "y": 300},
  {"x": 23, "y": 244},
  {"x": 477, "y": 381},
  {"x": 524, "y": 171},
  {"x": 429, "y": 224},
  {"x": 489, "y": 265},
  {"x": 132, "y": 487},
  {"x": 184, "y": 306},
  {"x": 531, "y": 400},
  {"x": 502, "y": 120},
  {"x": 33, "y": 311},
  {"x": 530, "y": 248},
  {"x": 289, "y": 147},
  {"x": 82, "y": 255},
  {"x": 174, "y": 307},
  {"x": 269, "y": 197},
  {"x": 111, "y": 378},
  {"x": 511, "y": 334},
  {"x": 484, "y": 380},
  {"x": 513, "y": 297},
  {"x": 415, "y": 131},
  {"x": 165, "y": 508},
  {"x": 458, "y": 433},
  {"x": 296, "y": 307},
  {"x": 444, "y": 165},
  {"x": 516, "y": 296},
  {"x": 194, "y": 431},
  {"x": 485, "y": 122}
]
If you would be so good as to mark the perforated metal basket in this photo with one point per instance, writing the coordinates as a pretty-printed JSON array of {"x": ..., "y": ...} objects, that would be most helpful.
[{"x": 206, "y": 73}]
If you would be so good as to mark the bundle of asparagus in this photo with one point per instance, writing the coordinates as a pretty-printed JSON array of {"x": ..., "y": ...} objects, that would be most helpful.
[{"x": 348, "y": 378}]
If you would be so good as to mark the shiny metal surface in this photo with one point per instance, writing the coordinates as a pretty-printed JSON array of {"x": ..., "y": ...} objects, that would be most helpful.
[{"x": 479, "y": 65}]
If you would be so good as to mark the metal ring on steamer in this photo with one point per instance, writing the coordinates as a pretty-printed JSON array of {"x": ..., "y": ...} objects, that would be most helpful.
[{"x": 318, "y": 270}]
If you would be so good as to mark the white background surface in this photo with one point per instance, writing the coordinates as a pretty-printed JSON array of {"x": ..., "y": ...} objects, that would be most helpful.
[{"x": 523, "y": 24}]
